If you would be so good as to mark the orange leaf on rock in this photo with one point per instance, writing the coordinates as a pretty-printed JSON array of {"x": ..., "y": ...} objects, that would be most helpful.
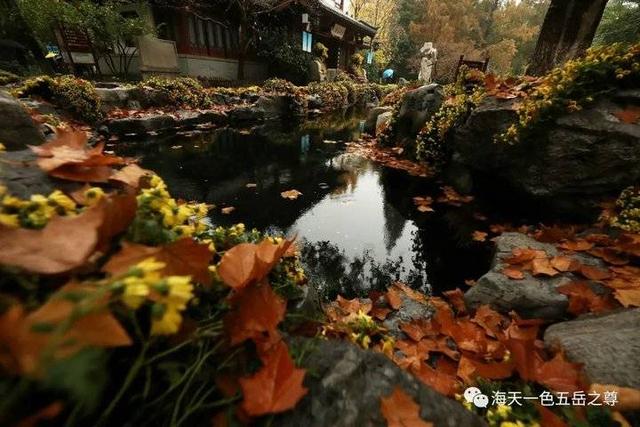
[
  {"x": 276, "y": 387},
  {"x": 582, "y": 299},
  {"x": 442, "y": 382},
  {"x": 64, "y": 244},
  {"x": 610, "y": 255},
  {"x": 469, "y": 369},
  {"x": 394, "y": 299},
  {"x": 576, "y": 245},
  {"x": 513, "y": 273},
  {"x": 560, "y": 375},
  {"x": 130, "y": 175},
  {"x": 564, "y": 263},
  {"x": 257, "y": 310},
  {"x": 184, "y": 257},
  {"x": 542, "y": 267},
  {"x": 628, "y": 297},
  {"x": 520, "y": 341},
  {"x": 400, "y": 410},
  {"x": 523, "y": 255},
  {"x": 594, "y": 273},
  {"x": 490, "y": 320}
]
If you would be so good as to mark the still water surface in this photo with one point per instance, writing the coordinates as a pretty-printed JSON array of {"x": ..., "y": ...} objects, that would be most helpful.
[{"x": 355, "y": 219}]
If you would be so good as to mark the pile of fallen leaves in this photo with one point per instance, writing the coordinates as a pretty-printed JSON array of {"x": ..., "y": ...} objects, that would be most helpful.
[
  {"x": 389, "y": 157},
  {"x": 454, "y": 348},
  {"x": 102, "y": 322}
]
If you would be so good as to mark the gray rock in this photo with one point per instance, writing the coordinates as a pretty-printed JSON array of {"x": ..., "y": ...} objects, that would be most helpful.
[
  {"x": 370, "y": 125},
  {"x": 408, "y": 311},
  {"x": 17, "y": 130},
  {"x": 532, "y": 297},
  {"x": 416, "y": 108},
  {"x": 22, "y": 176},
  {"x": 608, "y": 345},
  {"x": 345, "y": 386},
  {"x": 575, "y": 161},
  {"x": 246, "y": 114},
  {"x": 382, "y": 121},
  {"x": 141, "y": 125}
]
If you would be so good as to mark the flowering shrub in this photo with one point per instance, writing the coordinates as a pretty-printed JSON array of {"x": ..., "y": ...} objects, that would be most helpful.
[
  {"x": 628, "y": 204},
  {"x": 76, "y": 95},
  {"x": 334, "y": 96},
  {"x": 35, "y": 212},
  {"x": 431, "y": 141},
  {"x": 278, "y": 86},
  {"x": 574, "y": 85},
  {"x": 181, "y": 91}
]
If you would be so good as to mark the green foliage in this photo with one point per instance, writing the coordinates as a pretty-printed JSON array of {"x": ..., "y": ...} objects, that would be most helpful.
[
  {"x": 574, "y": 85},
  {"x": 620, "y": 23},
  {"x": 431, "y": 143},
  {"x": 628, "y": 205},
  {"x": 110, "y": 31},
  {"x": 8, "y": 78},
  {"x": 76, "y": 95},
  {"x": 181, "y": 91},
  {"x": 334, "y": 95},
  {"x": 281, "y": 51},
  {"x": 278, "y": 86}
]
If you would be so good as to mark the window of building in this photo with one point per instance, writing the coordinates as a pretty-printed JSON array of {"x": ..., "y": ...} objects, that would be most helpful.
[{"x": 307, "y": 41}]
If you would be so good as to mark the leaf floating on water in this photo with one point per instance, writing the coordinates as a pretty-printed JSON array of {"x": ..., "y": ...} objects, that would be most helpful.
[
  {"x": 400, "y": 410},
  {"x": 479, "y": 236},
  {"x": 227, "y": 210},
  {"x": 291, "y": 194},
  {"x": 251, "y": 185},
  {"x": 423, "y": 204}
]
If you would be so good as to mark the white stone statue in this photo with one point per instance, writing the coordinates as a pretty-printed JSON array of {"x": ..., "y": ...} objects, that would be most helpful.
[{"x": 429, "y": 59}]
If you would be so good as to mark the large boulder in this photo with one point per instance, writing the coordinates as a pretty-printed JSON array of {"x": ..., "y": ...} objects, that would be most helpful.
[
  {"x": 533, "y": 296},
  {"x": 577, "y": 159},
  {"x": 370, "y": 124},
  {"x": 17, "y": 130},
  {"x": 608, "y": 345},
  {"x": 416, "y": 108},
  {"x": 345, "y": 386}
]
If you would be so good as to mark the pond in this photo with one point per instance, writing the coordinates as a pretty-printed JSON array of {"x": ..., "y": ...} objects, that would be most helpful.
[{"x": 355, "y": 221}]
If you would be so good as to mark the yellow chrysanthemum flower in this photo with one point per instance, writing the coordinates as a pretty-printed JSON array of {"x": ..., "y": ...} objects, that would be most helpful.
[
  {"x": 180, "y": 291},
  {"x": 9, "y": 220},
  {"x": 93, "y": 195},
  {"x": 62, "y": 200},
  {"x": 166, "y": 323},
  {"x": 135, "y": 292}
]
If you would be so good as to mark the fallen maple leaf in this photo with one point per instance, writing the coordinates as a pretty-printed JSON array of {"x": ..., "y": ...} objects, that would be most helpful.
[
  {"x": 582, "y": 299},
  {"x": 469, "y": 369},
  {"x": 564, "y": 263},
  {"x": 49, "y": 412},
  {"x": 394, "y": 299},
  {"x": 291, "y": 194},
  {"x": 130, "y": 175},
  {"x": 248, "y": 262},
  {"x": 549, "y": 418},
  {"x": 542, "y": 267},
  {"x": 184, "y": 257},
  {"x": 257, "y": 309},
  {"x": 276, "y": 387},
  {"x": 560, "y": 375},
  {"x": 576, "y": 245},
  {"x": 64, "y": 244},
  {"x": 628, "y": 297},
  {"x": 227, "y": 210},
  {"x": 513, "y": 273},
  {"x": 400, "y": 410},
  {"x": 594, "y": 273},
  {"x": 629, "y": 115}
]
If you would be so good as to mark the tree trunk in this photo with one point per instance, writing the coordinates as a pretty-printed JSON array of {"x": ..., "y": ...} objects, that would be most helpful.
[
  {"x": 567, "y": 31},
  {"x": 242, "y": 49}
]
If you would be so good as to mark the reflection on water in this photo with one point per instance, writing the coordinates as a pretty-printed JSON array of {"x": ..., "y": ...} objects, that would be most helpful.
[{"x": 355, "y": 219}]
